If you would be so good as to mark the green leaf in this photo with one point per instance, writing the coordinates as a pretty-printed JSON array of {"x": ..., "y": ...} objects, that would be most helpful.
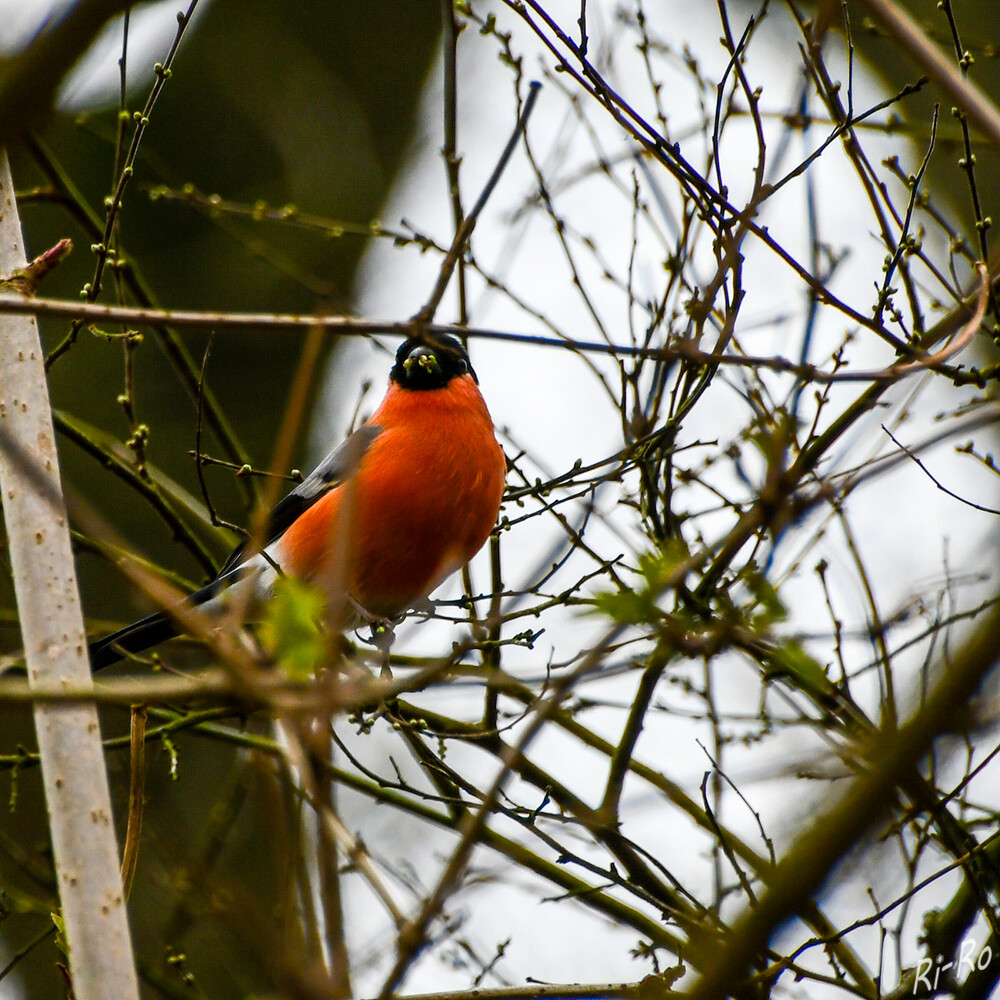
[
  {"x": 292, "y": 628},
  {"x": 61, "y": 943},
  {"x": 768, "y": 608},
  {"x": 794, "y": 662},
  {"x": 627, "y": 607},
  {"x": 640, "y": 606}
]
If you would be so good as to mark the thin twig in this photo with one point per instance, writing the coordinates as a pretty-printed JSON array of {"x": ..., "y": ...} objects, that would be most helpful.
[{"x": 465, "y": 230}]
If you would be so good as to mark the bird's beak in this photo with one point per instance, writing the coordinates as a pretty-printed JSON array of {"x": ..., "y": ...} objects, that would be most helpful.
[{"x": 422, "y": 356}]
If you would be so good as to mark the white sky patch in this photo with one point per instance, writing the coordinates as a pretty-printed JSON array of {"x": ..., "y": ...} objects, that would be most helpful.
[{"x": 95, "y": 81}]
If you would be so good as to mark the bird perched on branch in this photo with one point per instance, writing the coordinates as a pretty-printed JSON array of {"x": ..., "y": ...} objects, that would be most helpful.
[{"x": 406, "y": 500}]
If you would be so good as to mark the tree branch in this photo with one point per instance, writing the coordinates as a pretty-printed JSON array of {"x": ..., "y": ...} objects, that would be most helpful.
[{"x": 76, "y": 784}]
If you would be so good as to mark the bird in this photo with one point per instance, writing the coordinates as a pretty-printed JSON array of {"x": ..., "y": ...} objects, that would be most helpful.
[{"x": 406, "y": 500}]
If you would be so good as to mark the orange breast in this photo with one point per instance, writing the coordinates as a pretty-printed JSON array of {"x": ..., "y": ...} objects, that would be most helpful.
[{"x": 421, "y": 504}]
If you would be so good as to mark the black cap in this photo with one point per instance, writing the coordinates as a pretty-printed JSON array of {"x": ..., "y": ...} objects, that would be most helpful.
[{"x": 431, "y": 362}]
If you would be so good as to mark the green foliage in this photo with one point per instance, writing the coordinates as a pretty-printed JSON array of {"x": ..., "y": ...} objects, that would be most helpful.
[
  {"x": 656, "y": 571},
  {"x": 790, "y": 660},
  {"x": 60, "y": 925},
  {"x": 292, "y": 628},
  {"x": 767, "y": 608}
]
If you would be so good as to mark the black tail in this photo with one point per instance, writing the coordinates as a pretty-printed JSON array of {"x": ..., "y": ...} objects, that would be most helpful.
[
  {"x": 158, "y": 627},
  {"x": 133, "y": 638}
]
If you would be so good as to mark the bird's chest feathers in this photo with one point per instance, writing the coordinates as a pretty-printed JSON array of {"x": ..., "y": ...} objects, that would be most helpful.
[{"x": 428, "y": 475}]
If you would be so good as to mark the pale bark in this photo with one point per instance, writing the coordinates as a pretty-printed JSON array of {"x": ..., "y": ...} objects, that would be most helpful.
[{"x": 69, "y": 738}]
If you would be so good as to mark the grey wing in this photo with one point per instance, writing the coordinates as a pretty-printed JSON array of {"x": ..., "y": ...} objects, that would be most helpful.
[{"x": 339, "y": 465}]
